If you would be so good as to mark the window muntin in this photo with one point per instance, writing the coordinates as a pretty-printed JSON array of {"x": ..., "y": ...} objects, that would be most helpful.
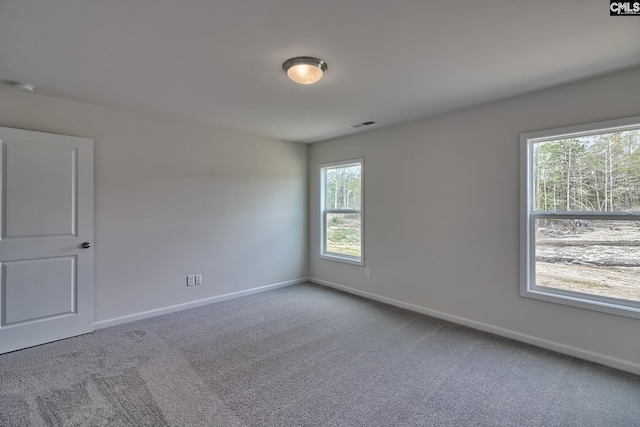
[
  {"x": 581, "y": 216},
  {"x": 341, "y": 204}
]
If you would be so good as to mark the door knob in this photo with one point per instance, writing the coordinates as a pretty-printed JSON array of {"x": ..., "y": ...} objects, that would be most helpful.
[{"x": 87, "y": 245}]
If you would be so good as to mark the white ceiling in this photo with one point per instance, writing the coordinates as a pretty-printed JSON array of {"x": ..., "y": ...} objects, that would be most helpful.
[{"x": 219, "y": 62}]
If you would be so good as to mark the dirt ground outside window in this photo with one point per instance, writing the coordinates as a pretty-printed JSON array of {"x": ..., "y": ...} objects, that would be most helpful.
[{"x": 598, "y": 257}]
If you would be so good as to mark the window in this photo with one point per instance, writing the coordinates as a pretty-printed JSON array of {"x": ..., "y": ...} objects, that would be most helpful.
[
  {"x": 341, "y": 203},
  {"x": 581, "y": 216}
]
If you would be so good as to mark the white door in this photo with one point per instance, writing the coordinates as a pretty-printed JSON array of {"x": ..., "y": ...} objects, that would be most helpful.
[{"x": 46, "y": 277}]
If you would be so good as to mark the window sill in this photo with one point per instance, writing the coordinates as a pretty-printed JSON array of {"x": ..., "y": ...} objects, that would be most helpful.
[
  {"x": 344, "y": 259},
  {"x": 590, "y": 302}
]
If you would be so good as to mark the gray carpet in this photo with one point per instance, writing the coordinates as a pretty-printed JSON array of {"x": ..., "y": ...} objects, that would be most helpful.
[{"x": 306, "y": 356}]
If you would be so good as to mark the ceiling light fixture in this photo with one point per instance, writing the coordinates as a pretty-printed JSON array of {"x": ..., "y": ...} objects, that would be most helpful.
[
  {"x": 304, "y": 69},
  {"x": 23, "y": 87}
]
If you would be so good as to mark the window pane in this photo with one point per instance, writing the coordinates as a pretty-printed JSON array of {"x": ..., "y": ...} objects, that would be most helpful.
[
  {"x": 588, "y": 173},
  {"x": 342, "y": 187},
  {"x": 343, "y": 234},
  {"x": 599, "y": 257}
]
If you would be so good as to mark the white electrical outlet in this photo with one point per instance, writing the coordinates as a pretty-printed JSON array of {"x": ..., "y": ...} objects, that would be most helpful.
[
  {"x": 191, "y": 280},
  {"x": 367, "y": 273},
  {"x": 198, "y": 279}
]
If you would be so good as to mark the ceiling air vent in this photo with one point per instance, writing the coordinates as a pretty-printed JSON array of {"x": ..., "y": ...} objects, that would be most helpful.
[{"x": 359, "y": 125}]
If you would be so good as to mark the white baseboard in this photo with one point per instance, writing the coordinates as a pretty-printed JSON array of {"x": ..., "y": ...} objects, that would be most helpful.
[
  {"x": 529, "y": 339},
  {"x": 192, "y": 304}
]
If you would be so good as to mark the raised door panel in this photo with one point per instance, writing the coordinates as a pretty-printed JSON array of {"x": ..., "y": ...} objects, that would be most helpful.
[
  {"x": 40, "y": 190},
  {"x": 38, "y": 289}
]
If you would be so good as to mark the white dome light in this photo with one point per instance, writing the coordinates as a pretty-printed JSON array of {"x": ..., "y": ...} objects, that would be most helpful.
[{"x": 305, "y": 69}]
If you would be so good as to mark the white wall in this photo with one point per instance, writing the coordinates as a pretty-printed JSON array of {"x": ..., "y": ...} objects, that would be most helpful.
[
  {"x": 442, "y": 216},
  {"x": 173, "y": 199}
]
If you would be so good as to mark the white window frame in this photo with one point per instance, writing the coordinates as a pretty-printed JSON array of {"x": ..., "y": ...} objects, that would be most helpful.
[
  {"x": 528, "y": 288},
  {"x": 349, "y": 259}
]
